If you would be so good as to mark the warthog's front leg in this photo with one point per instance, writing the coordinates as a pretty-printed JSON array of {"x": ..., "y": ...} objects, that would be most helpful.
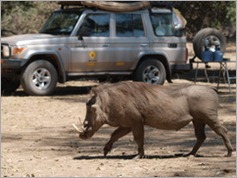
[{"x": 117, "y": 134}]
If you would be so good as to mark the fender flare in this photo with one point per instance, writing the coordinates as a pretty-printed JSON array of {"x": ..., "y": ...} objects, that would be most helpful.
[{"x": 51, "y": 56}]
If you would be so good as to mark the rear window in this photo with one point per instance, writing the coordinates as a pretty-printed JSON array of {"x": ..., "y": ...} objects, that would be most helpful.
[
  {"x": 162, "y": 24},
  {"x": 129, "y": 25}
]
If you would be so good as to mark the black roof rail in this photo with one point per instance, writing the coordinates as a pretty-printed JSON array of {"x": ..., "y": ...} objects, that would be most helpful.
[{"x": 164, "y": 4}]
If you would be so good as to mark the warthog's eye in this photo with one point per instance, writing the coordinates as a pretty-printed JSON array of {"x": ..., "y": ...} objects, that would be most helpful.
[{"x": 91, "y": 101}]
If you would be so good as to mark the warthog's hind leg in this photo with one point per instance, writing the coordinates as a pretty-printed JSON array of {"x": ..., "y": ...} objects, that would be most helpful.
[
  {"x": 222, "y": 131},
  {"x": 118, "y": 133},
  {"x": 199, "y": 128}
]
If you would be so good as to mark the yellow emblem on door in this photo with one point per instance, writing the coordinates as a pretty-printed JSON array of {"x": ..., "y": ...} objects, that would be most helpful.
[{"x": 92, "y": 54}]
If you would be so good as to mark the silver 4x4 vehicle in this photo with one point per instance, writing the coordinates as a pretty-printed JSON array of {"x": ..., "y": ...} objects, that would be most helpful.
[{"x": 145, "y": 45}]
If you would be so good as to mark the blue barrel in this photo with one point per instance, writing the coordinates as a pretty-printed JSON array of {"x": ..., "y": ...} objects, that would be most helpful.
[
  {"x": 218, "y": 55},
  {"x": 207, "y": 56}
]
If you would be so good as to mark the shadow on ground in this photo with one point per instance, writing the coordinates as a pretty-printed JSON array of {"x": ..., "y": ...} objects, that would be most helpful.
[
  {"x": 190, "y": 76},
  {"x": 60, "y": 91}
]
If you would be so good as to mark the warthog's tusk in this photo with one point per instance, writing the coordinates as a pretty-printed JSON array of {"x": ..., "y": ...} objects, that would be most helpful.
[
  {"x": 80, "y": 123},
  {"x": 80, "y": 131}
]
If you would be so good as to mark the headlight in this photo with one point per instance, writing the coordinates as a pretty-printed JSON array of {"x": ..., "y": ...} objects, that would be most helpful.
[{"x": 5, "y": 51}]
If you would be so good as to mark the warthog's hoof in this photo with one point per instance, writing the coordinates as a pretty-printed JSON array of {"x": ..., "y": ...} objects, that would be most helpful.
[
  {"x": 139, "y": 157},
  {"x": 229, "y": 154},
  {"x": 192, "y": 155},
  {"x": 107, "y": 149}
]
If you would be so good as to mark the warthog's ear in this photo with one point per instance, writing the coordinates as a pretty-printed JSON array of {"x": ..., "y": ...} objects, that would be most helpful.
[
  {"x": 91, "y": 101},
  {"x": 94, "y": 107}
]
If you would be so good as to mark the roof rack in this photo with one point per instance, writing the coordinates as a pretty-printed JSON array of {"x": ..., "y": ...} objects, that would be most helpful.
[{"x": 69, "y": 3}]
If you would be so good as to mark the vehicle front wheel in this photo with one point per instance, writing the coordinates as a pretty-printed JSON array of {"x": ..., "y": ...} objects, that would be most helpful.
[
  {"x": 151, "y": 71},
  {"x": 39, "y": 78}
]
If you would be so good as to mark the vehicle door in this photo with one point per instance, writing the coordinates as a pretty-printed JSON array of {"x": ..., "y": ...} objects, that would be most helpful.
[
  {"x": 92, "y": 52},
  {"x": 128, "y": 40}
]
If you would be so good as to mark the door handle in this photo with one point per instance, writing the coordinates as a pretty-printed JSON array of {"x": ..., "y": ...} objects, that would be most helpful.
[
  {"x": 144, "y": 45},
  {"x": 172, "y": 45},
  {"x": 80, "y": 46},
  {"x": 106, "y": 45}
]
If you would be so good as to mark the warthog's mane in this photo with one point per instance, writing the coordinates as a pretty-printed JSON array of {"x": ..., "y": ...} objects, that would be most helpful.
[
  {"x": 130, "y": 87},
  {"x": 137, "y": 92}
]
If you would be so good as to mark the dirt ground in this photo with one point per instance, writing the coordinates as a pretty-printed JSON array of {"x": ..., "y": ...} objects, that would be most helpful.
[{"x": 38, "y": 139}]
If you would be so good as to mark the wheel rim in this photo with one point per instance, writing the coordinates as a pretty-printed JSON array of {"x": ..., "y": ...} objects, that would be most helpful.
[
  {"x": 41, "y": 78},
  {"x": 212, "y": 40},
  {"x": 151, "y": 75}
]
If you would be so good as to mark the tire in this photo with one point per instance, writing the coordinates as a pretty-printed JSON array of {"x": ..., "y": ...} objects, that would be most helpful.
[
  {"x": 151, "y": 71},
  {"x": 204, "y": 34},
  {"x": 9, "y": 86},
  {"x": 39, "y": 78}
]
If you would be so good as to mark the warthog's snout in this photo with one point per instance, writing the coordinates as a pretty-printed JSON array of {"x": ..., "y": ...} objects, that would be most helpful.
[
  {"x": 81, "y": 131},
  {"x": 84, "y": 132}
]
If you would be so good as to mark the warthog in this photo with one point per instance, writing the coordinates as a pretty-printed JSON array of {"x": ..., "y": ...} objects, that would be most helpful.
[{"x": 131, "y": 105}]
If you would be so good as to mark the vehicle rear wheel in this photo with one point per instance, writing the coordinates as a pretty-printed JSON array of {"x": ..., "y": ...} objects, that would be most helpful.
[
  {"x": 151, "y": 71},
  {"x": 39, "y": 78}
]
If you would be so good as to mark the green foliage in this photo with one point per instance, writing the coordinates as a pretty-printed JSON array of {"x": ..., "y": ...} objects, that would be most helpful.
[
  {"x": 231, "y": 12},
  {"x": 25, "y": 16},
  {"x": 29, "y": 16},
  {"x": 216, "y": 14},
  {"x": 7, "y": 7}
]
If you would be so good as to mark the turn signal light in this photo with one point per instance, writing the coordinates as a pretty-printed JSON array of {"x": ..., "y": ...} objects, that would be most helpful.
[{"x": 17, "y": 51}]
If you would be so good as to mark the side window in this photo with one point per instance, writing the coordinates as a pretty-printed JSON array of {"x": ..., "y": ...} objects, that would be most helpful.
[
  {"x": 163, "y": 25},
  {"x": 95, "y": 25},
  {"x": 129, "y": 25}
]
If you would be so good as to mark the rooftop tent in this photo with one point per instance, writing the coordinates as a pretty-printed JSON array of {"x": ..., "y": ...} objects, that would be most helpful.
[
  {"x": 109, "y": 5},
  {"x": 127, "y": 6},
  {"x": 119, "y": 6}
]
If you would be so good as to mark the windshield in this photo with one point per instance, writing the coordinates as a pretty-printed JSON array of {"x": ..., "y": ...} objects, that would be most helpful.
[{"x": 61, "y": 23}]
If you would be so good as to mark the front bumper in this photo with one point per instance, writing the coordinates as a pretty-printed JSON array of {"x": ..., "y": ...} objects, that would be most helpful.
[
  {"x": 11, "y": 68},
  {"x": 12, "y": 64}
]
